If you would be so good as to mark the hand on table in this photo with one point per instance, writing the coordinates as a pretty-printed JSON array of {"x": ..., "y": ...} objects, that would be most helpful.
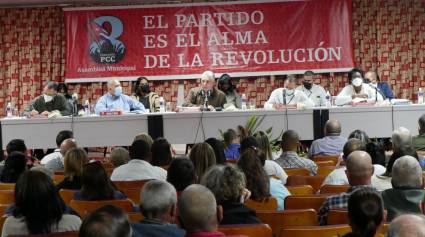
[
  {"x": 45, "y": 113},
  {"x": 34, "y": 112}
]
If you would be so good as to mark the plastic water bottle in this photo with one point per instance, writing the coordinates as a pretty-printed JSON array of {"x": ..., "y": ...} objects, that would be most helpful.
[
  {"x": 420, "y": 96},
  {"x": 328, "y": 99},
  {"x": 87, "y": 108},
  {"x": 9, "y": 110},
  {"x": 243, "y": 102},
  {"x": 161, "y": 105}
]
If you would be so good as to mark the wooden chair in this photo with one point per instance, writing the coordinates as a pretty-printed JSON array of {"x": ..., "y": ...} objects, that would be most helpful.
[
  {"x": 325, "y": 170},
  {"x": 332, "y": 189},
  {"x": 137, "y": 184},
  {"x": 231, "y": 162},
  {"x": 305, "y": 202},
  {"x": 300, "y": 190},
  {"x": 250, "y": 230},
  {"x": 67, "y": 195},
  {"x": 316, "y": 231},
  {"x": 59, "y": 234},
  {"x": 57, "y": 178},
  {"x": 297, "y": 171},
  {"x": 2, "y": 220},
  {"x": 7, "y": 186},
  {"x": 60, "y": 172},
  {"x": 267, "y": 204},
  {"x": 288, "y": 218},
  {"x": 334, "y": 158},
  {"x": 325, "y": 163},
  {"x": 83, "y": 208},
  {"x": 165, "y": 167},
  {"x": 337, "y": 217},
  {"x": 135, "y": 216},
  {"x": 3, "y": 208},
  {"x": 7, "y": 197},
  {"x": 133, "y": 194},
  {"x": 313, "y": 181}
]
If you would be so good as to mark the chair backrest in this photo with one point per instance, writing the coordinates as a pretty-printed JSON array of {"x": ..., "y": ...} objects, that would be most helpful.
[
  {"x": 231, "y": 162},
  {"x": 133, "y": 194},
  {"x": 332, "y": 189},
  {"x": 325, "y": 163},
  {"x": 313, "y": 181},
  {"x": 7, "y": 186},
  {"x": 300, "y": 190},
  {"x": 59, "y": 234},
  {"x": 57, "y": 178},
  {"x": 250, "y": 230},
  {"x": 297, "y": 171},
  {"x": 67, "y": 195},
  {"x": 288, "y": 218},
  {"x": 316, "y": 231},
  {"x": 61, "y": 172},
  {"x": 3, "y": 208},
  {"x": 304, "y": 202},
  {"x": 137, "y": 184},
  {"x": 337, "y": 217},
  {"x": 83, "y": 208},
  {"x": 325, "y": 170},
  {"x": 7, "y": 197},
  {"x": 267, "y": 204},
  {"x": 333, "y": 158},
  {"x": 135, "y": 216}
]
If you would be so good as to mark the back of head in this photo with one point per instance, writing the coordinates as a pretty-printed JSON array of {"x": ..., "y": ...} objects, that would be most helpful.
[
  {"x": 407, "y": 225},
  {"x": 365, "y": 211},
  {"x": 353, "y": 144},
  {"x": 203, "y": 157},
  {"x": 407, "y": 173},
  {"x": 16, "y": 145},
  {"x": 361, "y": 135},
  {"x": 198, "y": 209},
  {"x": 107, "y": 221},
  {"x": 218, "y": 148},
  {"x": 248, "y": 142},
  {"x": 140, "y": 150},
  {"x": 145, "y": 137},
  {"x": 421, "y": 123},
  {"x": 181, "y": 173},
  {"x": 62, "y": 136},
  {"x": 38, "y": 201},
  {"x": 226, "y": 182},
  {"x": 156, "y": 199},
  {"x": 333, "y": 127},
  {"x": 290, "y": 140},
  {"x": 15, "y": 165},
  {"x": 95, "y": 183},
  {"x": 74, "y": 161},
  {"x": 403, "y": 151},
  {"x": 119, "y": 156},
  {"x": 161, "y": 152},
  {"x": 401, "y": 137},
  {"x": 67, "y": 145},
  {"x": 229, "y": 136},
  {"x": 257, "y": 180},
  {"x": 359, "y": 168},
  {"x": 264, "y": 144}
]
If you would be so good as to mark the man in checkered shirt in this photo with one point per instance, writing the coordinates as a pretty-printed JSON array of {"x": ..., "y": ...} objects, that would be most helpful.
[{"x": 359, "y": 173}]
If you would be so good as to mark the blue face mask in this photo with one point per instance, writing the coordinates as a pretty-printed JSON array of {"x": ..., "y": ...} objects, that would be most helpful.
[{"x": 118, "y": 91}]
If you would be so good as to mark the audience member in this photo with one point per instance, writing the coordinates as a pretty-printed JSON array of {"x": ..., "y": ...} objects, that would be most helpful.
[
  {"x": 16, "y": 145},
  {"x": 331, "y": 144},
  {"x": 376, "y": 151},
  {"x": 15, "y": 165},
  {"x": 203, "y": 157},
  {"x": 161, "y": 152},
  {"x": 407, "y": 225},
  {"x": 57, "y": 164},
  {"x": 145, "y": 137},
  {"x": 158, "y": 204},
  {"x": 231, "y": 144},
  {"x": 56, "y": 154},
  {"x": 119, "y": 156},
  {"x": 181, "y": 173},
  {"x": 419, "y": 140},
  {"x": 228, "y": 185},
  {"x": 75, "y": 159},
  {"x": 107, "y": 221},
  {"x": 139, "y": 168},
  {"x": 218, "y": 148}
]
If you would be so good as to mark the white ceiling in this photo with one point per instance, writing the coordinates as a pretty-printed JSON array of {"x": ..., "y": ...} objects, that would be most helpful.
[{"x": 29, "y": 3}]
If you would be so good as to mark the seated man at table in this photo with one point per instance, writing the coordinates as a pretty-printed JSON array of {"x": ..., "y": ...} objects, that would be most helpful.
[
  {"x": 418, "y": 141},
  {"x": 288, "y": 95},
  {"x": 115, "y": 100},
  {"x": 384, "y": 89},
  {"x": 331, "y": 144},
  {"x": 314, "y": 92},
  {"x": 50, "y": 101},
  {"x": 196, "y": 96},
  {"x": 356, "y": 90},
  {"x": 289, "y": 158}
]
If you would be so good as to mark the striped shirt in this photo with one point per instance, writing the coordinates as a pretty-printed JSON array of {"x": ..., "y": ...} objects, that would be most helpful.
[{"x": 291, "y": 159}]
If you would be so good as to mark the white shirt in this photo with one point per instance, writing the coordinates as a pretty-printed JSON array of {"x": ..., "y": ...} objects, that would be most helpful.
[
  {"x": 292, "y": 98},
  {"x": 52, "y": 156},
  {"x": 338, "y": 176},
  {"x": 345, "y": 96},
  {"x": 317, "y": 94},
  {"x": 274, "y": 169},
  {"x": 138, "y": 170}
]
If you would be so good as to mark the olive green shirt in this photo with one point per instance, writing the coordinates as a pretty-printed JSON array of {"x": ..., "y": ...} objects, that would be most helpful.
[
  {"x": 59, "y": 103},
  {"x": 194, "y": 98},
  {"x": 419, "y": 142}
]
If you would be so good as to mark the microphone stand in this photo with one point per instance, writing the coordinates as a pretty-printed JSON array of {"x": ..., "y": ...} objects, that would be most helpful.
[{"x": 205, "y": 94}]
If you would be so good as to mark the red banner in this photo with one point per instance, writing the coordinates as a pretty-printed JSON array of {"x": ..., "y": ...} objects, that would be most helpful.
[{"x": 182, "y": 41}]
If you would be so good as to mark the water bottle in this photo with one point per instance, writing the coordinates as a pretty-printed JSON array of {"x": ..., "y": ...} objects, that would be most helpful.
[
  {"x": 87, "y": 108},
  {"x": 328, "y": 99},
  {"x": 420, "y": 96},
  {"x": 243, "y": 102},
  {"x": 9, "y": 110},
  {"x": 161, "y": 105}
]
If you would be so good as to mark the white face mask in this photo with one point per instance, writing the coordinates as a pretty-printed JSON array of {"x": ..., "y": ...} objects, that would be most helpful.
[
  {"x": 47, "y": 98},
  {"x": 357, "y": 82}
]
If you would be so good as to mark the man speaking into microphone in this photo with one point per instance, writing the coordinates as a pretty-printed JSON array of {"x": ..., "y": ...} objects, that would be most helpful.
[{"x": 207, "y": 92}]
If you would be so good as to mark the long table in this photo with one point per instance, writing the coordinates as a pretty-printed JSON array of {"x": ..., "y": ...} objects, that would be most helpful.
[{"x": 187, "y": 128}]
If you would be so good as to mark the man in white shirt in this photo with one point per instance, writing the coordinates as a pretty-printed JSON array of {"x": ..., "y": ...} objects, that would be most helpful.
[
  {"x": 287, "y": 95},
  {"x": 58, "y": 164},
  {"x": 314, "y": 92},
  {"x": 56, "y": 154},
  {"x": 139, "y": 168},
  {"x": 356, "y": 90}
]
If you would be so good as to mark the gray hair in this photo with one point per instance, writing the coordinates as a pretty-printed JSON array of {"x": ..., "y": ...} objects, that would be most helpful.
[
  {"x": 226, "y": 182},
  {"x": 119, "y": 156},
  {"x": 401, "y": 137},
  {"x": 112, "y": 81},
  {"x": 156, "y": 198},
  {"x": 208, "y": 74},
  {"x": 407, "y": 173},
  {"x": 291, "y": 78},
  {"x": 407, "y": 225}
]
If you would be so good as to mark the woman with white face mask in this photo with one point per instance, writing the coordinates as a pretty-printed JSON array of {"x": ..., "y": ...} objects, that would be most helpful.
[{"x": 357, "y": 91}]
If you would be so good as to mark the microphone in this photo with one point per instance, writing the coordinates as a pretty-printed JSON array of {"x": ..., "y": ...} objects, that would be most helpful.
[
  {"x": 376, "y": 92},
  {"x": 74, "y": 96},
  {"x": 74, "y": 99},
  {"x": 284, "y": 95},
  {"x": 205, "y": 94}
]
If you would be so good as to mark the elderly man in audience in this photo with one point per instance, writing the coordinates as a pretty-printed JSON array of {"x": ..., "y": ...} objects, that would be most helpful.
[
  {"x": 331, "y": 144},
  {"x": 158, "y": 204},
  {"x": 115, "y": 100},
  {"x": 138, "y": 168},
  {"x": 407, "y": 194},
  {"x": 119, "y": 156},
  {"x": 62, "y": 136},
  {"x": 107, "y": 221},
  {"x": 208, "y": 89},
  {"x": 419, "y": 140},
  {"x": 198, "y": 212},
  {"x": 290, "y": 158},
  {"x": 408, "y": 225},
  {"x": 359, "y": 174},
  {"x": 57, "y": 164}
]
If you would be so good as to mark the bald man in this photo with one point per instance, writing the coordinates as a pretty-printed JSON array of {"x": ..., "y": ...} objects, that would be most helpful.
[
  {"x": 57, "y": 164},
  {"x": 407, "y": 225},
  {"x": 115, "y": 100},
  {"x": 384, "y": 89},
  {"x": 198, "y": 212},
  {"x": 359, "y": 174},
  {"x": 331, "y": 144}
]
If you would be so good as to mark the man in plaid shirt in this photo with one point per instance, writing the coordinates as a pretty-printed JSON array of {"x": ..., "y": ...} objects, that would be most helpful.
[{"x": 359, "y": 173}]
